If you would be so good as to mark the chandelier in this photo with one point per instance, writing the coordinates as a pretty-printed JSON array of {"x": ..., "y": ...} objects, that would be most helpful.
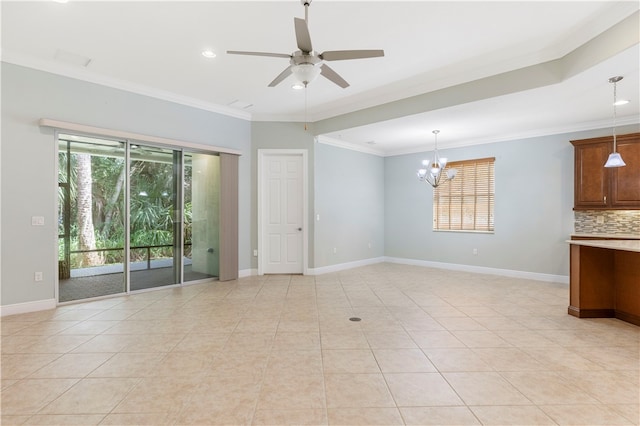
[
  {"x": 615, "y": 159},
  {"x": 434, "y": 170}
]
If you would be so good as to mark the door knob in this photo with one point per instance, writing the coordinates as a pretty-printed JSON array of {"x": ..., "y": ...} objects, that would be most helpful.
[{"x": 299, "y": 229}]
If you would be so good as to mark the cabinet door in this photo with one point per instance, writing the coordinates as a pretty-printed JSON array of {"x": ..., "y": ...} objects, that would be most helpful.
[
  {"x": 591, "y": 177},
  {"x": 625, "y": 185}
]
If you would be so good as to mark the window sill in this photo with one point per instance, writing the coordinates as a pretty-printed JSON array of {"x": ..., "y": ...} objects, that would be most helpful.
[{"x": 464, "y": 231}]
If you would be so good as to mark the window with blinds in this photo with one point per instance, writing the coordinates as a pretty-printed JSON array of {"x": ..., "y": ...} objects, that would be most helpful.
[{"x": 466, "y": 202}]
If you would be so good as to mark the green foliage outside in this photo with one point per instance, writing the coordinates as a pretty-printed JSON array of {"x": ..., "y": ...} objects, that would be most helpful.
[{"x": 151, "y": 200}]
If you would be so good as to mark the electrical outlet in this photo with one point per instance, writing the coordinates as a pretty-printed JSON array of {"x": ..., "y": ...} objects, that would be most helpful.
[
  {"x": 37, "y": 276},
  {"x": 37, "y": 220},
  {"x": 599, "y": 220},
  {"x": 335, "y": 250},
  {"x": 475, "y": 251}
]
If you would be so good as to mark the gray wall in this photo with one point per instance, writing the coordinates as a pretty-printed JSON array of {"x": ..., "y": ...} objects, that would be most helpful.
[
  {"x": 533, "y": 207},
  {"x": 361, "y": 198},
  {"x": 28, "y": 163},
  {"x": 349, "y": 197}
]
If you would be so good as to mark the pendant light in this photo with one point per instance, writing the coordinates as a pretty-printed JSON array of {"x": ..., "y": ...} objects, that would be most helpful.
[{"x": 615, "y": 159}]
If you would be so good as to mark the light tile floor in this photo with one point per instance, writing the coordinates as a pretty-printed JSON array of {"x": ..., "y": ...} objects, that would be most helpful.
[{"x": 434, "y": 347}]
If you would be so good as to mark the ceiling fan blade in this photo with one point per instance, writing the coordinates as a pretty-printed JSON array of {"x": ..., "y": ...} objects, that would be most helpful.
[
  {"x": 276, "y": 55},
  {"x": 333, "y": 76},
  {"x": 340, "y": 55},
  {"x": 284, "y": 74},
  {"x": 303, "y": 38}
]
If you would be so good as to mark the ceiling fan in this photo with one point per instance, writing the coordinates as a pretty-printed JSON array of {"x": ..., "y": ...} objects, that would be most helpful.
[{"x": 306, "y": 64}]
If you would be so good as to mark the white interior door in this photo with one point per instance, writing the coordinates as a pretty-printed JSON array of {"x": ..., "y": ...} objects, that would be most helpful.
[{"x": 282, "y": 213}]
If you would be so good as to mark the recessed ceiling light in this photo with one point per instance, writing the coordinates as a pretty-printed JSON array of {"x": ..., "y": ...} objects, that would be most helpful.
[
  {"x": 208, "y": 53},
  {"x": 621, "y": 102}
]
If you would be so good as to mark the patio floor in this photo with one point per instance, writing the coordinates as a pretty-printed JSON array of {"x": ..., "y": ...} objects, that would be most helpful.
[{"x": 84, "y": 287}]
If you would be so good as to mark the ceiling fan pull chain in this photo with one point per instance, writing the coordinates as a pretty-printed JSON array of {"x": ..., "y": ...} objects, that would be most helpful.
[{"x": 305, "y": 107}]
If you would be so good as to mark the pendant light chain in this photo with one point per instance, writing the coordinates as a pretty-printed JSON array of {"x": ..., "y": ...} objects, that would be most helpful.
[{"x": 615, "y": 100}]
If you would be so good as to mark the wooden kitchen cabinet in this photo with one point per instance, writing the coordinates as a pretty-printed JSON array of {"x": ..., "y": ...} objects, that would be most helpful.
[
  {"x": 597, "y": 187},
  {"x": 604, "y": 279},
  {"x": 625, "y": 185}
]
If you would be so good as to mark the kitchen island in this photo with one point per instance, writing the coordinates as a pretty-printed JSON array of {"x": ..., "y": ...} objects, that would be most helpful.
[{"x": 604, "y": 279}]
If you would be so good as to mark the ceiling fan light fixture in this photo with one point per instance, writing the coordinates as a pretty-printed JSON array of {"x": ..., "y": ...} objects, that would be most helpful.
[
  {"x": 305, "y": 73},
  {"x": 297, "y": 86}
]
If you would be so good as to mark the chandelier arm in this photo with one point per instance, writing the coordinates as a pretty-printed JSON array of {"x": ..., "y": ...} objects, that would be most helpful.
[{"x": 436, "y": 181}]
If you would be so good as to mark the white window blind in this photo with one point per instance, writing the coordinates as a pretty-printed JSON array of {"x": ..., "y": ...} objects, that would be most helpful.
[{"x": 466, "y": 203}]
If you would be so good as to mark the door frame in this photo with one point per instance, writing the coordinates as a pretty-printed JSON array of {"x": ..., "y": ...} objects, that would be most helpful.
[{"x": 263, "y": 155}]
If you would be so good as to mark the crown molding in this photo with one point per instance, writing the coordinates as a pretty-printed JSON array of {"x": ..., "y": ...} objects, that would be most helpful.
[
  {"x": 84, "y": 75},
  {"x": 349, "y": 145},
  {"x": 549, "y": 131},
  {"x": 92, "y": 77}
]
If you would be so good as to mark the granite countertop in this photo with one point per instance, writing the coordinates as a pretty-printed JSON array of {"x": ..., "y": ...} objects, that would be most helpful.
[
  {"x": 622, "y": 236},
  {"x": 625, "y": 245}
]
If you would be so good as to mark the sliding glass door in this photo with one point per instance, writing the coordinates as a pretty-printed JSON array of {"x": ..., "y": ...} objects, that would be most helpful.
[
  {"x": 201, "y": 216},
  {"x": 91, "y": 217},
  {"x": 148, "y": 222},
  {"x": 155, "y": 216}
]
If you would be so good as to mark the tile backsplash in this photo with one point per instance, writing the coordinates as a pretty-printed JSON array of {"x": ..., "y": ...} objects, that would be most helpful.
[{"x": 613, "y": 222}]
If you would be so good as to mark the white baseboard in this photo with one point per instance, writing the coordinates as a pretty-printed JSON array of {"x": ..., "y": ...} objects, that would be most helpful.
[
  {"x": 243, "y": 273},
  {"x": 344, "y": 266},
  {"x": 26, "y": 307},
  {"x": 564, "y": 279}
]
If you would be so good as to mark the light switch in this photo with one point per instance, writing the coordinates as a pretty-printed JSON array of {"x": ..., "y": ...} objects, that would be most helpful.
[{"x": 37, "y": 220}]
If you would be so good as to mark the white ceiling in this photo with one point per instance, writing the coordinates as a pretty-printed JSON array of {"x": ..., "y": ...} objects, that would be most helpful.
[{"x": 154, "y": 48}]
